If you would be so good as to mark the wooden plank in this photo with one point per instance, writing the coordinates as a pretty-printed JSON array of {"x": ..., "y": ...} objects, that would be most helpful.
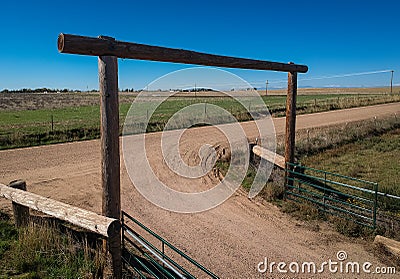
[
  {"x": 110, "y": 158},
  {"x": 80, "y": 217},
  {"x": 270, "y": 156},
  {"x": 74, "y": 44}
]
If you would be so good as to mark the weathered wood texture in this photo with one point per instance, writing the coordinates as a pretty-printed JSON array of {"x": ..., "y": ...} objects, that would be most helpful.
[
  {"x": 104, "y": 47},
  {"x": 110, "y": 165},
  {"x": 270, "y": 156},
  {"x": 291, "y": 118},
  {"x": 20, "y": 212},
  {"x": 110, "y": 159},
  {"x": 290, "y": 135},
  {"x": 80, "y": 217}
]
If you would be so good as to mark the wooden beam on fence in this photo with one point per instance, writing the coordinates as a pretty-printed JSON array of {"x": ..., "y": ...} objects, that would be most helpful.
[
  {"x": 20, "y": 212},
  {"x": 110, "y": 159},
  {"x": 91, "y": 221},
  {"x": 270, "y": 156},
  {"x": 100, "y": 47},
  {"x": 290, "y": 136}
]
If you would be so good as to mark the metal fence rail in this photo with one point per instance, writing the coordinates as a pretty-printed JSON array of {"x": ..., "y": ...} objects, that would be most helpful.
[
  {"x": 346, "y": 197},
  {"x": 146, "y": 259}
]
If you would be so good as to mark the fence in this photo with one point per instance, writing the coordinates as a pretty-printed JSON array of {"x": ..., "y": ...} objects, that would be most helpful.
[
  {"x": 346, "y": 197},
  {"x": 146, "y": 259},
  {"x": 23, "y": 201}
]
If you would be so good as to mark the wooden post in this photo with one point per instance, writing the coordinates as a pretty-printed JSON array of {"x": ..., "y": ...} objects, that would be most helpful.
[
  {"x": 391, "y": 83},
  {"x": 52, "y": 123},
  {"x": 110, "y": 163},
  {"x": 290, "y": 121},
  {"x": 21, "y": 213}
]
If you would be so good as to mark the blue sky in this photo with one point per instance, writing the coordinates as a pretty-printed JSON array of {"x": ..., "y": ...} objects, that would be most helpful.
[{"x": 331, "y": 37}]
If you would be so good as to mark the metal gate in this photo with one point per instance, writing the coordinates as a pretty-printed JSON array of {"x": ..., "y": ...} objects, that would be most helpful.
[
  {"x": 346, "y": 197},
  {"x": 150, "y": 260}
]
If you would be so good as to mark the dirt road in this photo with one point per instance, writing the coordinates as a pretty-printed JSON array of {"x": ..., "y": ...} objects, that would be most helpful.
[{"x": 230, "y": 239}]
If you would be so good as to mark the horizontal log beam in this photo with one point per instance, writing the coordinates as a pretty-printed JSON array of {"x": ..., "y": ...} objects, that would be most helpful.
[
  {"x": 91, "y": 221},
  {"x": 391, "y": 245},
  {"x": 270, "y": 156},
  {"x": 106, "y": 46}
]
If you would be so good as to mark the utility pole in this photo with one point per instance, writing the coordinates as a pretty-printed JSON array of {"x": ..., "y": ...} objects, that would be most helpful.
[
  {"x": 391, "y": 83},
  {"x": 266, "y": 88},
  {"x": 195, "y": 89}
]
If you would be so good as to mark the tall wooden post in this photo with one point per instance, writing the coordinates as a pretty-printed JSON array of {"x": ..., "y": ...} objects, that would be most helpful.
[
  {"x": 21, "y": 213},
  {"x": 110, "y": 162},
  {"x": 290, "y": 121}
]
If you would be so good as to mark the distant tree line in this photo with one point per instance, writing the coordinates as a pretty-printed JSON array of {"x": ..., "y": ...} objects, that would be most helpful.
[
  {"x": 38, "y": 90},
  {"x": 65, "y": 90},
  {"x": 195, "y": 90}
]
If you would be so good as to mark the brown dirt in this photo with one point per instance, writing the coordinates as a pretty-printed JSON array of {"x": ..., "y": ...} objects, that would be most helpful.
[{"x": 230, "y": 239}]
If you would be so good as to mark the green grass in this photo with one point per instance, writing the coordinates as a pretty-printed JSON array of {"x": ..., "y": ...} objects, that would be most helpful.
[
  {"x": 8, "y": 235},
  {"x": 44, "y": 126},
  {"x": 41, "y": 251},
  {"x": 374, "y": 158},
  {"x": 38, "y": 121}
]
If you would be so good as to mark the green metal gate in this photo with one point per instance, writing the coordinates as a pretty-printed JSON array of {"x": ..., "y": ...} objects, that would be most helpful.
[
  {"x": 346, "y": 197},
  {"x": 150, "y": 260}
]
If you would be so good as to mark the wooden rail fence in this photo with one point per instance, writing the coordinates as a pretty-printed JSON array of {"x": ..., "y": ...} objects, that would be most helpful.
[{"x": 23, "y": 201}]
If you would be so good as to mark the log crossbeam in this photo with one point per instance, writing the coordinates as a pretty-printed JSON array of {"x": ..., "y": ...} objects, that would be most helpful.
[
  {"x": 106, "y": 46},
  {"x": 91, "y": 221}
]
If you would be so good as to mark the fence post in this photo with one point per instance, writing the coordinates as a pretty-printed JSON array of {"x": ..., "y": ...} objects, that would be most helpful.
[
  {"x": 52, "y": 123},
  {"x": 21, "y": 213},
  {"x": 110, "y": 162},
  {"x": 290, "y": 123}
]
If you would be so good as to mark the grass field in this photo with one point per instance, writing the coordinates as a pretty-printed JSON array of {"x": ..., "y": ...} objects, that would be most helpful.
[
  {"x": 373, "y": 158},
  {"x": 79, "y": 121}
]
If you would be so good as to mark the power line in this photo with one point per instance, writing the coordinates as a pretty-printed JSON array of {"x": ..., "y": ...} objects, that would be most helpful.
[
  {"x": 335, "y": 76},
  {"x": 277, "y": 81},
  {"x": 348, "y": 75}
]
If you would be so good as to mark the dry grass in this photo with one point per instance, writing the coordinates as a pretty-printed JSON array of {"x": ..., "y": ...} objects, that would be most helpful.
[{"x": 42, "y": 251}]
